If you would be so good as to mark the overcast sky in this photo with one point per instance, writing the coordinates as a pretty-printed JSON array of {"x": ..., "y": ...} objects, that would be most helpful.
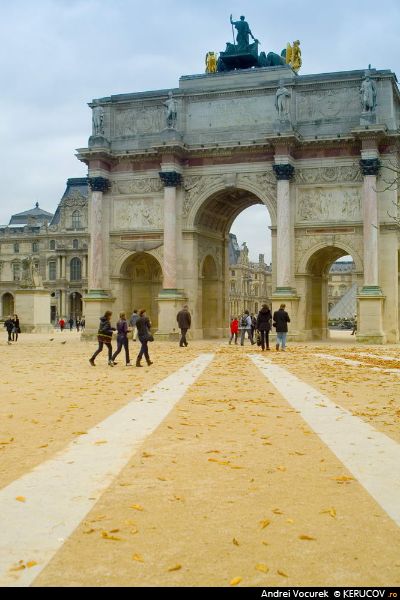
[{"x": 57, "y": 55}]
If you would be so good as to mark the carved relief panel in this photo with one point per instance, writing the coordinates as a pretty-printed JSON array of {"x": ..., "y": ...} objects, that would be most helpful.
[
  {"x": 327, "y": 104},
  {"x": 323, "y": 204},
  {"x": 138, "y": 121},
  {"x": 137, "y": 214}
]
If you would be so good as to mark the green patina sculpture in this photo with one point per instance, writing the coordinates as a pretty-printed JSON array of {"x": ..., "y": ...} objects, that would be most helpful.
[{"x": 244, "y": 32}]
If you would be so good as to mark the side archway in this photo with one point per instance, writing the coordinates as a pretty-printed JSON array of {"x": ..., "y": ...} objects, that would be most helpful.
[
  {"x": 141, "y": 282},
  {"x": 7, "y": 304},
  {"x": 210, "y": 298},
  {"x": 317, "y": 267}
]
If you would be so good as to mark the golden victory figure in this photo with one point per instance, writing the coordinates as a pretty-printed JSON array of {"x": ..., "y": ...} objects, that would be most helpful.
[
  {"x": 211, "y": 62},
  {"x": 293, "y": 56}
]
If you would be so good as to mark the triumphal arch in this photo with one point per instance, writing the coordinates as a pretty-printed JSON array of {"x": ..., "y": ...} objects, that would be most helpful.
[{"x": 170, "y": 170}]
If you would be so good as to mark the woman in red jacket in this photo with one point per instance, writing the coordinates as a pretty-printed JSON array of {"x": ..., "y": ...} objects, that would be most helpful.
[{"x": 234, "y": 330}]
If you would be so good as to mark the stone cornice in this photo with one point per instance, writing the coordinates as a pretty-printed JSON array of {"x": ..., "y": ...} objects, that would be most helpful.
[
  {"x": 99, "y": 184},
  {"x": 171, "y": 178}
]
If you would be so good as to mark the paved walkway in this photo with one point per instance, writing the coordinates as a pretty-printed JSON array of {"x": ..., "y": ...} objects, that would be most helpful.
[{"x": 228, "y": 467}]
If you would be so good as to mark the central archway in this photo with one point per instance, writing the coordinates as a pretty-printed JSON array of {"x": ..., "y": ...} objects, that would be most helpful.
[{"x": 212, "y": 223}]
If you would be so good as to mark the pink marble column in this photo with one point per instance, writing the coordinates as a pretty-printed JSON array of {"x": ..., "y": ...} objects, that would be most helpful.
[
  {"x": 171, "y": 180},
  {"x": 284, "y": 173},
  {"x": 98, "y": 185},
  {"x": 370, "y": 169}
]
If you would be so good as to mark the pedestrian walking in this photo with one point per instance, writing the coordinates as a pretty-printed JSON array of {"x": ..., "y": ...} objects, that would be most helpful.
[
  {"x": 9, "y": 325},
  {"x": 16, "y": 329},
  {"x": 234, "y": 330},
  {"x": 354, "y": 332},
  {"x": 253, "y": 324},
  {"x": 184, "y": 320},
  {"x": 281, "y": 320},
  {"x": 83, "y": 323},
  {"x": 263, "y": 325},
  {"x": 71, "y": 323},
  {"x": 104, "y": 337},
  {"x": 61, "y": 323},
  {"x": 245, "y": 327},
  {"x": 78, "y": 324},
  {"x": 143, "y": 325},
  {"x": 122, "y": 339},
  {"x": 132, "y": 322}
]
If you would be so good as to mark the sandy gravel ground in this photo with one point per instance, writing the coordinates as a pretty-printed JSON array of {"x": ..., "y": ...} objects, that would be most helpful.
[{"x": 232, "y": 488}]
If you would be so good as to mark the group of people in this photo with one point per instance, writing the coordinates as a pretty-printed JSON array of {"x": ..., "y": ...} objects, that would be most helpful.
[
  {"x": 78, "y": 322},
  {"x": 139, "y": 326},
  {"x": 13, "y": 328},
  {"x": 261, "y": 325}
]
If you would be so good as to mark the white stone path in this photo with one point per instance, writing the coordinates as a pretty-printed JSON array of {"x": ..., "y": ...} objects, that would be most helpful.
[
  {"x": 356, "y": 363},
  {"x": 60, "y": 492},
  {"x": 372, "y": 457}
]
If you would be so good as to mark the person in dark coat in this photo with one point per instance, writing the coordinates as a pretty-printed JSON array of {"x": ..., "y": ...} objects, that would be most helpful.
[
  {"x": 184, "y": 320},
  {"x": 122, "y": 339},
  {"x": 264, "y": 319},
  {"x": 16, "y": 329},
  {"x": 281, "y": 320},
  {"x": 143, "y": 326},
  {"x": 9, "y": 325},
  {"x": 104, "y": 337}
]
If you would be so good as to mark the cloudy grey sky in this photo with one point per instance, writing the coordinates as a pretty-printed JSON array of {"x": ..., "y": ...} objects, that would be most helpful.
[{"x": 57, "y": 55}]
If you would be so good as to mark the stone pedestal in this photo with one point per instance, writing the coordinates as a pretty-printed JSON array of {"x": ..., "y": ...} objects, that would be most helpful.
[
  {"x": 170, "y": 302},
  {"x": 368, "y": 118},
  {"x": 95, "y": 304},
  {"x": 370, "y": 312},
  {"x": 33, "y": 309},
  {"x": 292, "y": 308}
]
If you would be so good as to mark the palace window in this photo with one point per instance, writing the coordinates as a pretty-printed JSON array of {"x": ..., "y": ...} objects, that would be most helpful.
[
  {"x": 52, "y": 271},
  {"x": 35, "y": 247},
  {"x": 16, "y": 248},
  {"x": 75, "y": 244},
  {"x": 76, "y": 269},
  {"x": 17, "y": 272},
  {"x": 76, "y": 220},
  {"x": 52, "y": 244}
]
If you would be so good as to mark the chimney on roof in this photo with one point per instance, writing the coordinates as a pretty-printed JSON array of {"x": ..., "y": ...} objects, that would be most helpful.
[{"x": 261, "y": 258}]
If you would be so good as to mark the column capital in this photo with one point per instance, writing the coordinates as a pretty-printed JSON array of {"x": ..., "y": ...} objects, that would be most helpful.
[
  {"x": 370, "y": 166},
  {"x": 99, "y": 184},
  {"x": 171, "y": 178},
  {"x": 284, "y": 172}
]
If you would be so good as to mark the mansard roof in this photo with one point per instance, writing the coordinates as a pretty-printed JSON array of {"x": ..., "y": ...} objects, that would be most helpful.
[
  {"x": 35, "y": 216},
  {"x": 76, "y": 193}
]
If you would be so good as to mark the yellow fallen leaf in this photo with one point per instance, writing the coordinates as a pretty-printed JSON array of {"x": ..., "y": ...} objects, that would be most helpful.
[
  {"x": 342, "y": 479},
  {"x": 265, "y": 543},
  {"x": 262, "y": 568},
  {"x": 175, "y": 568},
  {"x": 277, "y": 511},
  {"x": 265, "y": 523},
  {"x": 44, "y": 446},
  {"x": 283, "y": 469},
  {"x": 31, "y": 564},
  {"x": 19, "y": 568},
  {"x": 235, "y": 542},
  {"x": 79, "y": 433},
  {"x": 236, "y": 581},
  {"x": 329, "y": 511},
  {"x": 5, "y": 443},
  {"x": 138, "y": 558},
  {"x": 101, "y": 442},
  {"x": 137, "y": 507},
  {"x": 307, "y": 538},
  {"x": 147, "y": 455},
  {"x": 290, "y": 521},
  {"x": 106, "y": 536},
  {"x": 282, "y": 573},
  {"x": 21, "y": 498},
  {"x": 89, "y": 531}
]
